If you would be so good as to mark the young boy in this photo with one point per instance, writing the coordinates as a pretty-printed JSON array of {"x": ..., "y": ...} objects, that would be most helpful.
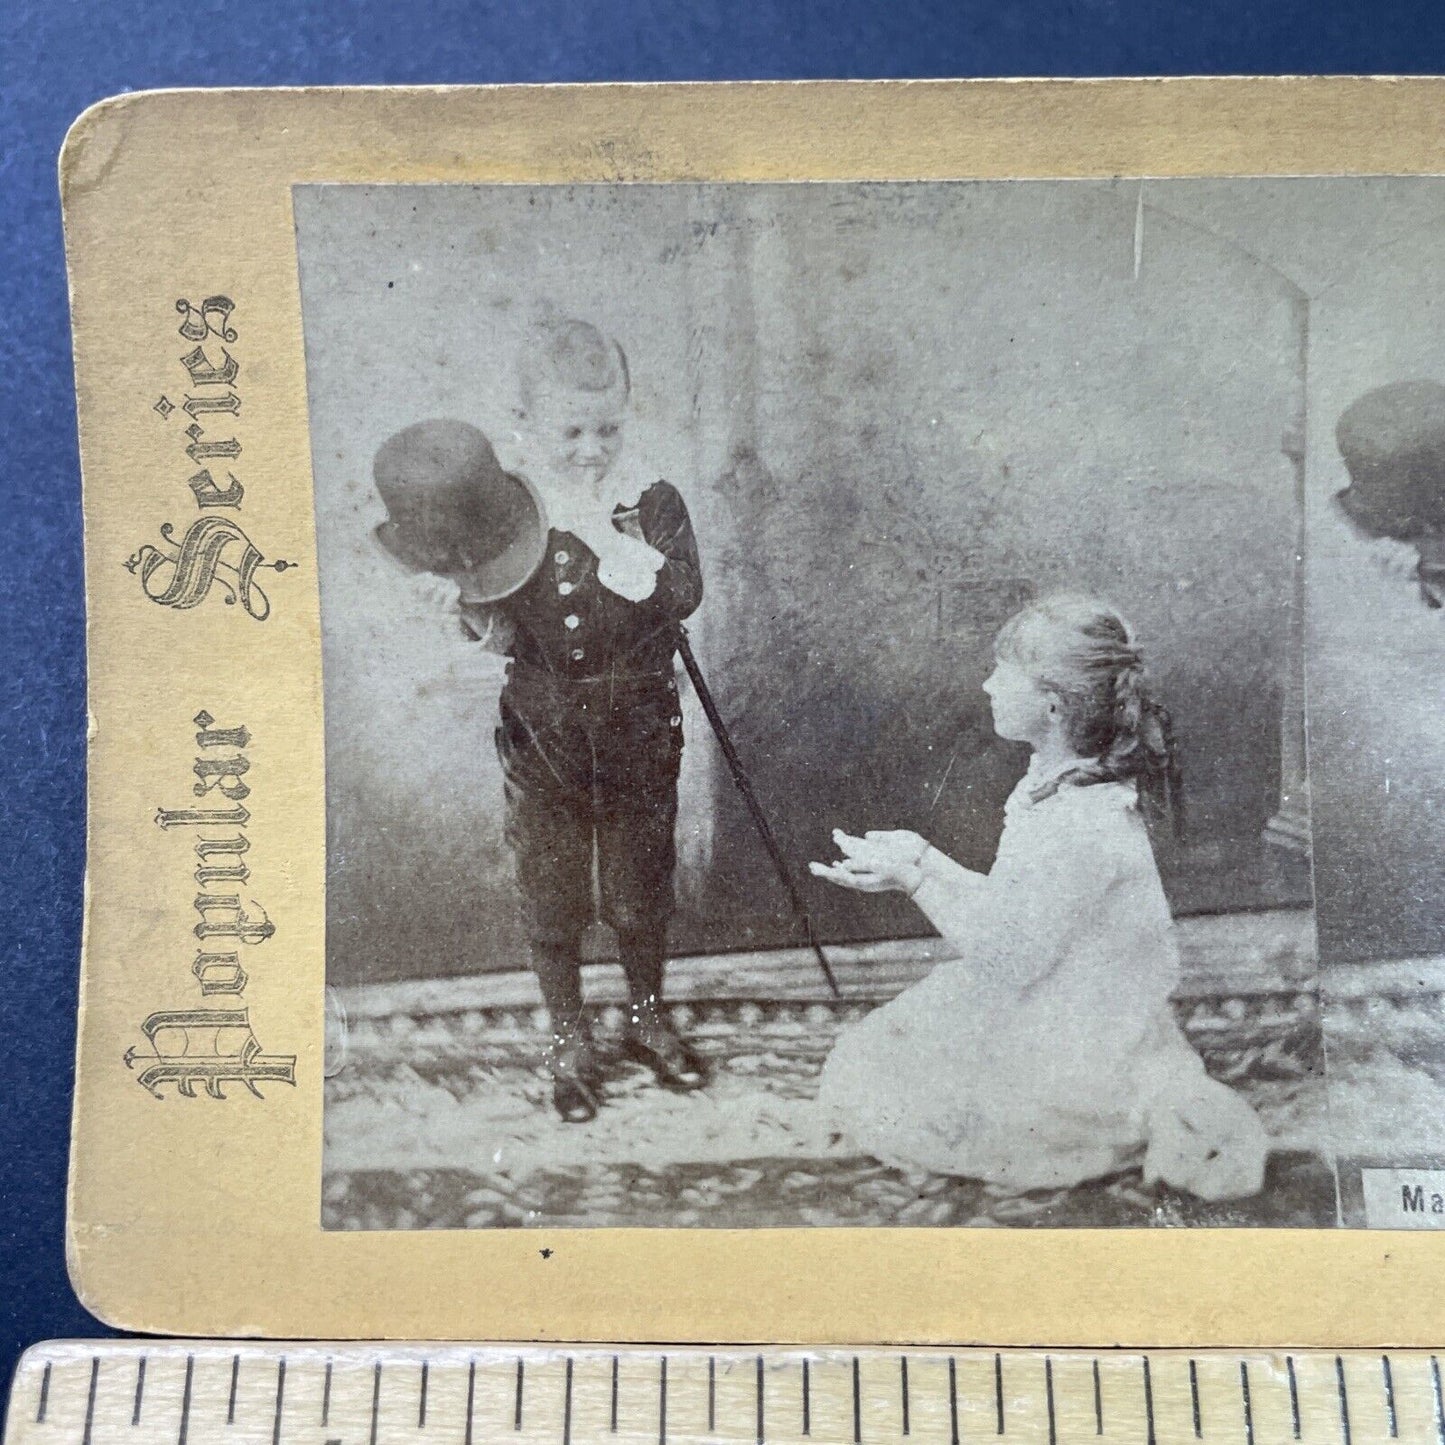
[
  {"x": 590, "y": 735},
  {"x": 1392, "y": 441}
]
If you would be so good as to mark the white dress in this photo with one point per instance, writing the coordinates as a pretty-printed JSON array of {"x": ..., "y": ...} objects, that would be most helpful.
[{"x": 1047, "y": 1053}]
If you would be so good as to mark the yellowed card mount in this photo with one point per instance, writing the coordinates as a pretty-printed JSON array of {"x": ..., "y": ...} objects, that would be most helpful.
[{"x": 916, "y": 355}]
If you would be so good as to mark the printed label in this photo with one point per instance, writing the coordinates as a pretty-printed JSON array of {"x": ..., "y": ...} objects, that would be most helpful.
[{"x": 1404, "y": 1198}]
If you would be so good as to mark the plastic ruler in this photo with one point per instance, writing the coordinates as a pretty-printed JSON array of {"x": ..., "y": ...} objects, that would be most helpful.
[{"x": 192, "y": 1392}]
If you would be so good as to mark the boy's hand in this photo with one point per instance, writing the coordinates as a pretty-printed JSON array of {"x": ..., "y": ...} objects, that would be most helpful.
[
  {"x": 625, "y": 565},
  {"x": 627, "y": 578},
  {"x": 1393, "y": 557},
  {"x": 434, "y": 594}
]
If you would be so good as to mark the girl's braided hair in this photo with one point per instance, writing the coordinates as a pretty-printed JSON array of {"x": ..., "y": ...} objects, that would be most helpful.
[{"x": 1083, "y": 652}]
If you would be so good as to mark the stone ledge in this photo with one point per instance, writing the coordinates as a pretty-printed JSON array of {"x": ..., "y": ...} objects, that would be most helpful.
[
  {"x": 1225, "y": 955},
  {"x": 1410, "y": 978}
]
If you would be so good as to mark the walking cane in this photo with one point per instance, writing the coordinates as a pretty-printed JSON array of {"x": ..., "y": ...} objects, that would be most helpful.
[
  {"x": 453, "y": 511},
  {"x": 744, "y": 787}
]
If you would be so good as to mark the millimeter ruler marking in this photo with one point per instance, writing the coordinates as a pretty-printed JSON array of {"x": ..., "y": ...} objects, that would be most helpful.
[{"x": 166, "y": 1392}]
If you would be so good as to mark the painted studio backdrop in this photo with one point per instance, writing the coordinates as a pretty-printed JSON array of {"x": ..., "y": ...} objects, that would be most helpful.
[{"x": 896, "y": 413}]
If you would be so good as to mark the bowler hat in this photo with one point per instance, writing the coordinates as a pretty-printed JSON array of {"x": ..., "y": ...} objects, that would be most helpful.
[
  {"x": 1393, "y": 444},
  {"x": 453, "y": 510}
]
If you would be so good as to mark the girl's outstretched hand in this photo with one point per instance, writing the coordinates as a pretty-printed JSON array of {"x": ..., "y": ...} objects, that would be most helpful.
[
  {"x": 902, "y": 846},
  {"x": 874, "y": 864}
]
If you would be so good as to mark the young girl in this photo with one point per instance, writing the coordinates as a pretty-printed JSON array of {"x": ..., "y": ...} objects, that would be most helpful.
[{"x": 1047, "y": 1053}]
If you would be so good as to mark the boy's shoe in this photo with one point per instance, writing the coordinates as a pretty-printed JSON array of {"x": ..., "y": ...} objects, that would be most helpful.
[
  {"x": 572, "y": 1063},
  {"x": 651, "y": 1041}
]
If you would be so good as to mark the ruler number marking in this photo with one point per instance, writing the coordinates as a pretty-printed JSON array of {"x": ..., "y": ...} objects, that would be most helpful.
[
  {"x": 140, "y": 1389},
  {"x": 1149, "y": 1402},
  {"x": 1344, "y": 1399},
  {"x": 186, "y": 1401},
  {"x": 952, "y": 1400},
  {"x": 280, "y": 1400},
  {"x": 760, "y": 1399},
  {"x": 1049, "y": 1399},
  {"x": 44, "y": 1395},
  {"x": 567, "y": 1405},
  {"x": 1439, "y": 1402},
  {"x": 90, "y": 1401}
]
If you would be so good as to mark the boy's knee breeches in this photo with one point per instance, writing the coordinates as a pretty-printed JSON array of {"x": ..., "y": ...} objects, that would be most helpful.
[{"x": 591, "y": 766}]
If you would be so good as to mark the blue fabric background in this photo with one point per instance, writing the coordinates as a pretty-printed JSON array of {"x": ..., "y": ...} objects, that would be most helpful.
[{"x": 57, "y": 56}]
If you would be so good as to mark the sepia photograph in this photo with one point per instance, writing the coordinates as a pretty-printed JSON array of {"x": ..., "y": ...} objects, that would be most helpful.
[{"x": 880, "y": 704}]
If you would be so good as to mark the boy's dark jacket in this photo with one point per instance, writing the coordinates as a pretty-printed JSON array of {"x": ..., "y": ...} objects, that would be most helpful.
[{"x": 563, "y": 621}]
